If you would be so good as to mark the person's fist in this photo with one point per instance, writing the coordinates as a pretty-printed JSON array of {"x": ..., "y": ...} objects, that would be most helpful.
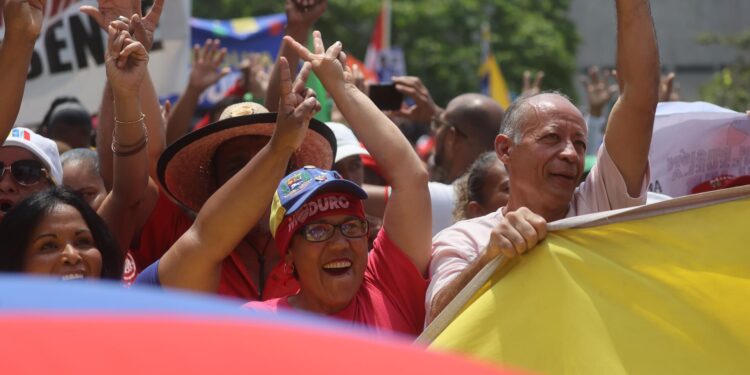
[
  {"x": 518, "y": 232},
  {"x": 23, "y": 18}
]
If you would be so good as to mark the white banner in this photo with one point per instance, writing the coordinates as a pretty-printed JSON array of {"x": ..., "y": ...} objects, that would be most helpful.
[
  {"x": 69, "y": 57},
  {"x": 695, "y": 142}
]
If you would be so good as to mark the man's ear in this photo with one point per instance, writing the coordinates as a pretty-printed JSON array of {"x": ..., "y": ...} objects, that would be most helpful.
[{"x": 503, "y": 145}]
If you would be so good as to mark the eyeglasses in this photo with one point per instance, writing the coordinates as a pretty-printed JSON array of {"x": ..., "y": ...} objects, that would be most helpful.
[
  {"x": 319, "y": 232},
  {"x": 437, "y": 123},
  {"x": 25, "y": 172}
]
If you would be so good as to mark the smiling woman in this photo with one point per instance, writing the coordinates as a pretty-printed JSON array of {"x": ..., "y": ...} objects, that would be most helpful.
[{"x": 54, "y": 232}]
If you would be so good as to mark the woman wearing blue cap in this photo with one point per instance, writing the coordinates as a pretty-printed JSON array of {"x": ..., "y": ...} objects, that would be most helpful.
[{"x": 319, "y": 225}]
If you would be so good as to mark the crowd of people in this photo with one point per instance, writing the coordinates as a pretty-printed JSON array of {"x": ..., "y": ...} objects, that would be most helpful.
[{"x": 268, "y": 205}]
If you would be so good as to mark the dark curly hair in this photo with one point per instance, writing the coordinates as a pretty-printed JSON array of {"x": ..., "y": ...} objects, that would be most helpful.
[{"x": 19, "y": 223}]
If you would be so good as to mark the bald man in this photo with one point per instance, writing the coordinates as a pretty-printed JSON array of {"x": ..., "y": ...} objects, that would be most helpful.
[
  {"x": 543, "y": 143},
  {"x": 463, "y": 131}
]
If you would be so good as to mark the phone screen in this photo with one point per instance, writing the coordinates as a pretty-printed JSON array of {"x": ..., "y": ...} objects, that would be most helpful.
[{"x": 386, "y": 97}]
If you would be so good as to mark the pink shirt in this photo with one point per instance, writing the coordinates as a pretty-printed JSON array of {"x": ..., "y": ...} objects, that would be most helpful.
[
  {"x": 456, "y": 247},
  {"x": 391, "y": 296}
]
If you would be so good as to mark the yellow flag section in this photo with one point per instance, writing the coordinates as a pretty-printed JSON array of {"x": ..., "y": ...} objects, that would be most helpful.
[{"x": 665, "y": 294}]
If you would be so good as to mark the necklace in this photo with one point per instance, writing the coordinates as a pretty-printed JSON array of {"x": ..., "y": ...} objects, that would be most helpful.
[{"x": 261, "y": 255}]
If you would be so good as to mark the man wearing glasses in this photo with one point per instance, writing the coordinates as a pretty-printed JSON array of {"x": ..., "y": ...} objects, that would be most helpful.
[{"x": 29, "y": 163}]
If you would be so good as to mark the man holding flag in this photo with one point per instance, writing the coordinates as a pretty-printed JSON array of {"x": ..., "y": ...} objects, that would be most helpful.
[{"x": 543, "y": 144}]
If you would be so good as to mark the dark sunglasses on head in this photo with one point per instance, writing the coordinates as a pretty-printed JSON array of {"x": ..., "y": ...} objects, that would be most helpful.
[
  {"x": 319, "y": 232},
  {"x": 25, "y": 172}
]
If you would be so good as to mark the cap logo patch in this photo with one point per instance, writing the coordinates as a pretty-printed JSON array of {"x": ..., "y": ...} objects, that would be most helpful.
[
  {"x": 295, "y": 183},
  {"x": 20, "y": 133}
]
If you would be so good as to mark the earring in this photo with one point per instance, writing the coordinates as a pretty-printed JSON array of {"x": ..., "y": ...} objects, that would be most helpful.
[{"x": 289, "y": 268}]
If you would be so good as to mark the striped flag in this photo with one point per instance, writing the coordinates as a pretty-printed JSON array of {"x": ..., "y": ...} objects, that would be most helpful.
[
  {"x": 657, "y": 289},
  {"x": 381, "y": 37},
  {"x": 492, "y": 80}
]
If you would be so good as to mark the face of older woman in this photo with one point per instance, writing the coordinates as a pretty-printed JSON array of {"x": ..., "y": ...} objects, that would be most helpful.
[
  {"x": 62, "y": 245},
  {"x": 330, "y": 272},
  {"x": 13, "y": 190}
]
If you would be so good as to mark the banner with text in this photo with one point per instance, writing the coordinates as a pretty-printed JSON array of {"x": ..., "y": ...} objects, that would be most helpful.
[
  {"x": 694, "y": 143},
  {"x": 68, "y": 58},
  {"x": 240, "y": 36}
]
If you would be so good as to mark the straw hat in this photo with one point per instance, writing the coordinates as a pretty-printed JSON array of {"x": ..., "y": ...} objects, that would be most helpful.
[{"x": 185, "y": 168}]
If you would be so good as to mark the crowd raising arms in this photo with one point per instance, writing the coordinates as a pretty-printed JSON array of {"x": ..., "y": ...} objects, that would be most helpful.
[{"x": 542, "y": 145}]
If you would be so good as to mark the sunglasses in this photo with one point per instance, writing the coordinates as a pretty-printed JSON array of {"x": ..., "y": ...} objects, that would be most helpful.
[
  {"x": 25, "y": 172},
  {"x": 319, "y": 232}
]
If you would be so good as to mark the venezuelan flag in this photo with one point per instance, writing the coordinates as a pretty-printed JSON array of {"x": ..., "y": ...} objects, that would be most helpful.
[
  {"x": 661, "y": 289},
  {"x": 492, "y": 79}
]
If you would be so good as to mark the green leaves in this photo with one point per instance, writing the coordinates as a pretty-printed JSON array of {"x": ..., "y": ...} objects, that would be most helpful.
[{"x": 441, "y": 38}]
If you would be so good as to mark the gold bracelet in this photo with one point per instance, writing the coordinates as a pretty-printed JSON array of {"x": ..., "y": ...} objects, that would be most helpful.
[
  {"x": 117, "y": 149},
  {"x": 115, "y": 139},
  {"x": 143, "y": 117}
]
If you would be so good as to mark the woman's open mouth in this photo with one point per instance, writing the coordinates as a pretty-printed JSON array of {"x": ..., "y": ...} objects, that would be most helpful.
[
  {"x": 337, "y": 267},
  {"x": 5, "y": 205}
]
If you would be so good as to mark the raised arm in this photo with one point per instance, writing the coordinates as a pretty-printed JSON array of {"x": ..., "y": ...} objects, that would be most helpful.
[
  {"x": 407, "y": 218},
  {"x": 299, "y": 24},
  {"x": 23, "y": 23},
  {"x": 194, "y": 261},
  {"x": 628, "y": 134},
  {"x": 126, "y": 65},
  {"x": 204, "y": 73},
  {"x": 142, "y": 28}
]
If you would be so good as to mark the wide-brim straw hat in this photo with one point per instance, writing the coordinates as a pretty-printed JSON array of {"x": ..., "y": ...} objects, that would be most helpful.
[{"x": 185, "y": 169}]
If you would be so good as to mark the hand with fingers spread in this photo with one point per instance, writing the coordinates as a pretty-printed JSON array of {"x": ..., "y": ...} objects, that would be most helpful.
[
  {"x": 142, "y": 28},
  {"x": 530, "y": 88},
  {"x": 126, "y": 61},
  {"x": 598, "y": 90},
  {"x": 297, "y": 106},
  {"x": 518, "y": 232},
  {"x": 23, "y": 19},
  {"x": 329, "y": 65},
  {"x": 424, "y": 108},
  {"x": 207, "y": 62}
]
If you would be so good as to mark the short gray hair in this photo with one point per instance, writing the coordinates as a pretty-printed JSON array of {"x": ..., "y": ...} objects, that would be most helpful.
[
  {"x": 515, "y": 115},
  {"x": 81, "y": 155}
]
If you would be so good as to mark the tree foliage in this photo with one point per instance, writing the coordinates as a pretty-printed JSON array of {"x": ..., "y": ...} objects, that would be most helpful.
[
  {"x": 729, "y": 87},
  {"x": 441, "y": 38}
]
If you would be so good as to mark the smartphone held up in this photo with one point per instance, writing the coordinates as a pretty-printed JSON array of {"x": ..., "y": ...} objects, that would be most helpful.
[{"x": 386, "y": 97}]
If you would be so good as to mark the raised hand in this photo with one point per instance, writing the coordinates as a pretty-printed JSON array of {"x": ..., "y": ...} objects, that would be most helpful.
[
  {"x": 328, "y": 65},
  {"x": 302, "y": 14},
  {"x": 667, "y": 89},
  {"x": 424, "y": 108},
  {"x": 255, "y": 74},
  {"x": 23, "y": 18},
  {"x": 530, "y": 88},
  {"x": 207, "y": 62},
  {"x": 598, "y": 90},
  {"x": 111, "y": 10},
  {"x": 297, "y": 106},
  {"x": 126, "y": 59}
]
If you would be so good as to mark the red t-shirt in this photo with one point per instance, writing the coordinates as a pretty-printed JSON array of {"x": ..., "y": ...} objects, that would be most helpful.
[
  {"x": 162, "y": 229},
  {"x": 236, "y": 281},
  {"x": 391, "y": 298},
  {"x": 165, "y": 226}
]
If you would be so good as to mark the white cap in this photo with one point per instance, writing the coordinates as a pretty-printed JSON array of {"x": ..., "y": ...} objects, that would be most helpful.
[
  {"x": 346, "y": 142},
  {"x": 43, "y": 148}
]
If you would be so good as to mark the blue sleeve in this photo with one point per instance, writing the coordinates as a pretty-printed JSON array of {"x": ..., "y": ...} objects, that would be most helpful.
[{"x": 149, "y": 276}]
